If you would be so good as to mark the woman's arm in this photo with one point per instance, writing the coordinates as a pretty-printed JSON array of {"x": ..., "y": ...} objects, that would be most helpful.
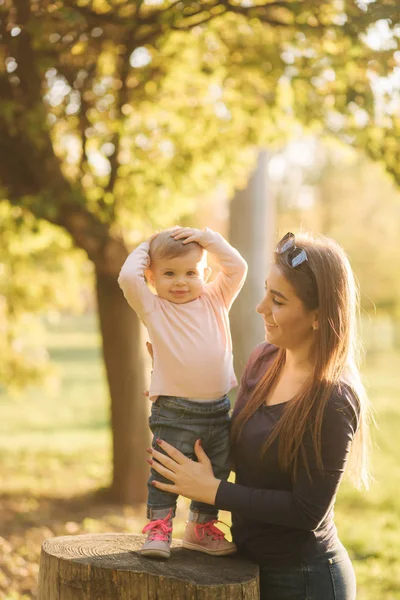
[{"x": 312, "y": 496}]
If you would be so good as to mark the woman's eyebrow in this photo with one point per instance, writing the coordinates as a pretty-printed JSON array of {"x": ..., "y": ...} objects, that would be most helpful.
[{"x": 276, "y": 293}]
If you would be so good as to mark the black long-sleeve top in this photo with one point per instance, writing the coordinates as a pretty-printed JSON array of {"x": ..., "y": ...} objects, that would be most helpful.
[{"x": 276, "y": 521}]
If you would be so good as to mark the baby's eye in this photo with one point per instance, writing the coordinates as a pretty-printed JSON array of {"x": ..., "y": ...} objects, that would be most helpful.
[
  {"x": 169, "y": 273},
  {"x": 191, "y": 272}
]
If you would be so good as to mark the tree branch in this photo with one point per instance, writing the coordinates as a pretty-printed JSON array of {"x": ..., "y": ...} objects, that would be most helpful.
[
  {"x": 122, "y": 99},
  {"x": 83, "y": 120},
  {"x": 196, "y": 23},
  {"x": 181, "y": 21},
  {"x": 95, "y": 18},
  {"x": 27, "y": 70}
]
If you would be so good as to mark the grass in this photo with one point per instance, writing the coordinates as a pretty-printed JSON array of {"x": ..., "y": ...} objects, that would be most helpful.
[
  {"x": 55, "y": 446},
  {"x": 43, "y": 429},
  {"x": 368, "y": 523}
]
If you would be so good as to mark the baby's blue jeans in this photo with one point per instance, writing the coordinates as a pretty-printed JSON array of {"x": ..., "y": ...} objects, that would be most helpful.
[{"x": 180, "y": 422}]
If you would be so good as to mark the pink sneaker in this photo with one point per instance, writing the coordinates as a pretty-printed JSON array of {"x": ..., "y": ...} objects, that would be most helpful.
[
  {"x": 206, "y": 537},
  {"x": 159, "y": 533}
]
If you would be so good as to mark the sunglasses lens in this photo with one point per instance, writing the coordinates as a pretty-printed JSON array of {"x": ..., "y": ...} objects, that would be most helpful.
[
  {"x": 285, "y": 244},
  {"x": 298, "y": 257}
]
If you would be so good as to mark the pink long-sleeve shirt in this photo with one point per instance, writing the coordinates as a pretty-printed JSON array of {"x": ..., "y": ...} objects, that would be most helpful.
[{"x": 192, "y": 343}]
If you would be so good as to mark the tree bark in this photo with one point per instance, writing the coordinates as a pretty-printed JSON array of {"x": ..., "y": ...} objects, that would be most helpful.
[
  {"x": 252, "y": 232},
  {"x": 108, "y": 567},
  {"x": 120, "y": 329}
]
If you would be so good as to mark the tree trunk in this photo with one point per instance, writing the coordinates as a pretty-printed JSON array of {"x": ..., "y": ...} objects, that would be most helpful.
[
  {"x": 108, "y": 567},
  {"x": 252, "y": 232},
  {"x": 120, "y": 329}
]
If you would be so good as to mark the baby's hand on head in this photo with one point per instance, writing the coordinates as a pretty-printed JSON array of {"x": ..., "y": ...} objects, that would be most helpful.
[{"x": 188, "y": 234}]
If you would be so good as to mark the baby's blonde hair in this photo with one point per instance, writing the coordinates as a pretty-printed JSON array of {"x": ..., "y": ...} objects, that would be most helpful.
[{"x": 164, "y": 246}]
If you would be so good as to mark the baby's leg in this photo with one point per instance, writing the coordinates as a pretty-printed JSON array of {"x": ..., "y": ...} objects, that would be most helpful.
[
  {"x": 217, "y": 447},
  {"x": 165, "y": 423},
  {"x": 161, "y": 424},
  {"x": 201, "y": 532}
]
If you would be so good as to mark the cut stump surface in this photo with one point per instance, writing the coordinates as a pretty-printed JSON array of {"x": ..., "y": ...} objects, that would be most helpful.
[{"x": 109, "y": 567}]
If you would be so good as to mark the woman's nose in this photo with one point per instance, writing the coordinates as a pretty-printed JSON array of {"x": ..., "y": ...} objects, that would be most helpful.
[{"x": 262, "y": 308}]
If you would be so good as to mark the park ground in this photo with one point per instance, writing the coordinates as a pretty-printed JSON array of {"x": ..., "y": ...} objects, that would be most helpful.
[{"x": 55, "y": 457}]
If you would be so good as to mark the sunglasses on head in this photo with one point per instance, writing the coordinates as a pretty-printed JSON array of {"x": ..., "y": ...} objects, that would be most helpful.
[{"x": 295, "y": 256}]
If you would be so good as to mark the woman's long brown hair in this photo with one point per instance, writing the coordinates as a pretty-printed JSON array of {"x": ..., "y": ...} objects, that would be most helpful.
[{"x": 325, "y": 282}]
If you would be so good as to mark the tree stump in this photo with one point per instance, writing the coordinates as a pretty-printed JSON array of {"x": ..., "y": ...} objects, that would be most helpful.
[{"x": 108, "y": 567}]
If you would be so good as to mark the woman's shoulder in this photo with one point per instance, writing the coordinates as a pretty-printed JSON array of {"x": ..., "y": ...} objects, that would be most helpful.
[
  {"x": 258, "y": 360},
  {"x": 262, "y": 352},
  {"x": 344, "y": 403}
]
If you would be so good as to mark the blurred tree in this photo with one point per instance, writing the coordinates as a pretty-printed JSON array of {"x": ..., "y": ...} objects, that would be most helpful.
[
  {"x": 252, "y": 231},
  {"x": 368, "y": 230},
  {"x": 340, "y": 192},
  {"x": 115, "y": 115}
]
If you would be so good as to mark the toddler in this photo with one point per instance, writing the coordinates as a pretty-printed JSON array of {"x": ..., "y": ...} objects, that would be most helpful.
[{"x": 188, "y": 325}]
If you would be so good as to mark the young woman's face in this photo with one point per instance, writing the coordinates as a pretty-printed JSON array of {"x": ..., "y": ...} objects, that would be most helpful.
[{"x": 288, "y": 324}]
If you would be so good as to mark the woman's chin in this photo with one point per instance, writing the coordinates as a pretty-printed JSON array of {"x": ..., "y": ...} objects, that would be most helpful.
[{"x": 270, "y": 335}]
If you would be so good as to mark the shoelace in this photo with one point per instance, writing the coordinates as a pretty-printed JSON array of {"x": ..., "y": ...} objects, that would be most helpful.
[
  {"x": 209, "y": 528},
  {"x": 160, "y": 529}
]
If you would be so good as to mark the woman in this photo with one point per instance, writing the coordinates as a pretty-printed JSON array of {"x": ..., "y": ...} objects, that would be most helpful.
[{"x": 300, "y": 419}]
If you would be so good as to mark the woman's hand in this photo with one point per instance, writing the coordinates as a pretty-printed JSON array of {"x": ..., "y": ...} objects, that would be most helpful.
[{"x": 194, "y": 480}]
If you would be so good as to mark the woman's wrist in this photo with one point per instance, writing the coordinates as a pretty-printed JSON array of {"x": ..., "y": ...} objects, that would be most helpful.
[{"x": 211, "y": 491}]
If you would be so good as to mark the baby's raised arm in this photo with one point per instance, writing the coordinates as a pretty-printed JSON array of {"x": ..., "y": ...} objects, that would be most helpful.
[{"x": 132, "y": 281}]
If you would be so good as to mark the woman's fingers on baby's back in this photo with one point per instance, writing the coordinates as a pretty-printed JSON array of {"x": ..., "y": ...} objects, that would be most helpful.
[{"x": 149, "y": 347}]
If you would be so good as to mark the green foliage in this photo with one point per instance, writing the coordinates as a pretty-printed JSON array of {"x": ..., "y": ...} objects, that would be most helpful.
[
  {"x": 147, "y": 105},
  {"x": 36, "y": 260}
]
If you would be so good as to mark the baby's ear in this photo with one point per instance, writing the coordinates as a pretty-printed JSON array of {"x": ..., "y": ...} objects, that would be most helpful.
[
  {"x": 207, "y": 273},
  {"x": 148, "y": 273}
]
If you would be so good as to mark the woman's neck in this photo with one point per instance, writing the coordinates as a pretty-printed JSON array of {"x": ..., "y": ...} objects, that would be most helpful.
[{"x": 299, "y": 361}]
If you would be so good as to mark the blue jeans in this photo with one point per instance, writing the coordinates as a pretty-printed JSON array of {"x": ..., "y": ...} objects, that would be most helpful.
[
  {"x": 330, "y": 577},
  {"x": 180, "y": 422}
]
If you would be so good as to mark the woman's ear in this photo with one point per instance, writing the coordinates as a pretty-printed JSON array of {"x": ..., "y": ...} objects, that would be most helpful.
[
  {"x": 315, "y": 324},
  {"x": 207, "y": 273}
]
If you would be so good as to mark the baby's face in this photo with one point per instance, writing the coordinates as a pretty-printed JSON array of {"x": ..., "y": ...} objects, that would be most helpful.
[{"x": 180, "y": 279}]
